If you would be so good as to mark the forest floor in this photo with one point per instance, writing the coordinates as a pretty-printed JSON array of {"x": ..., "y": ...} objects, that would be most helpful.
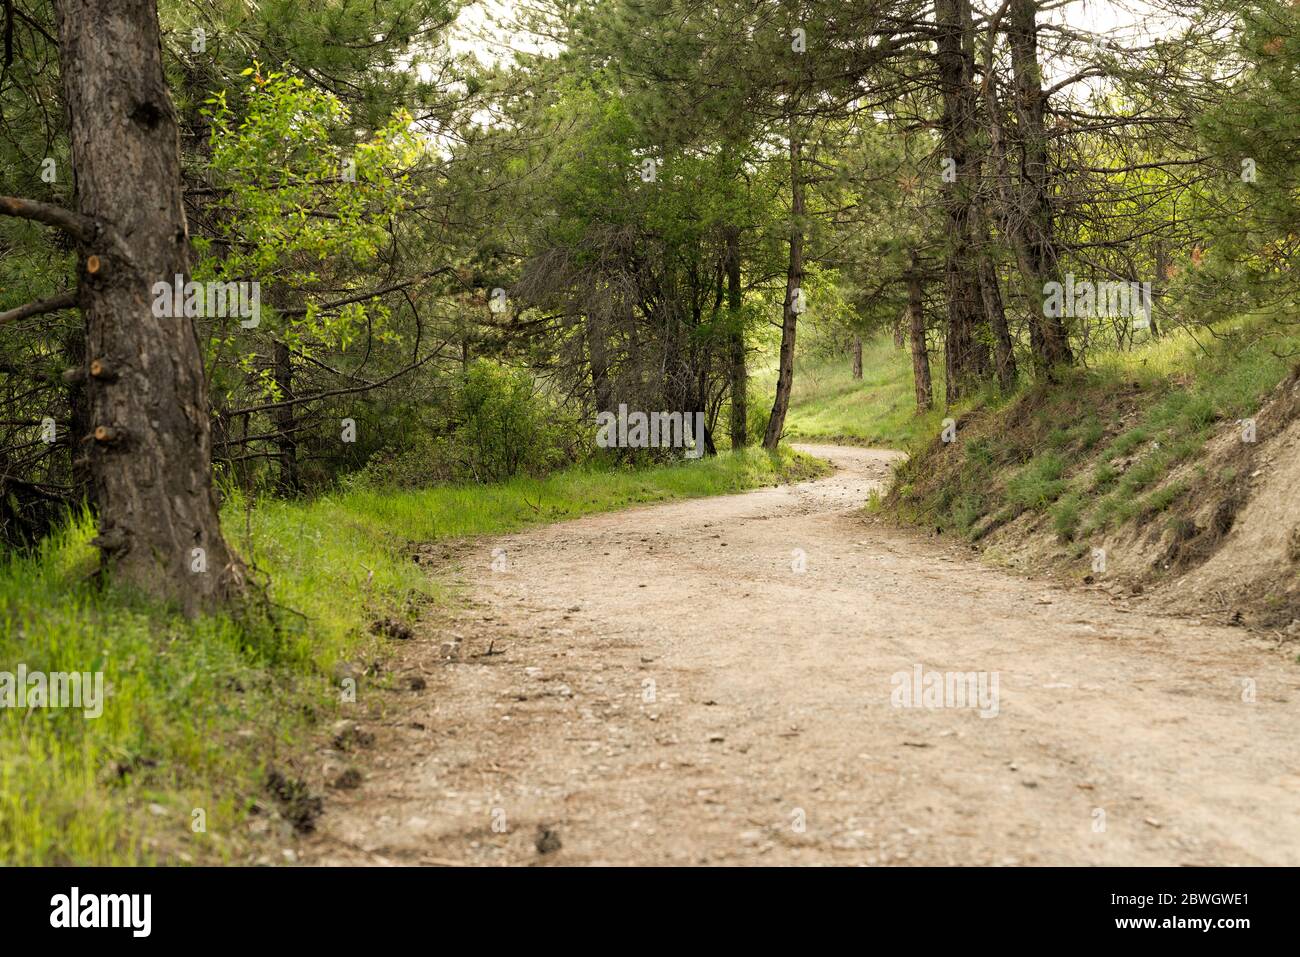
[{"x": 661, "y": 686}]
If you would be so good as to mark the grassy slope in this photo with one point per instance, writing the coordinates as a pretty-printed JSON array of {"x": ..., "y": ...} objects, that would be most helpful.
[
  {"x": 197, "y": 711},
  {"x": 1096, "y": 452},
  {"x": 827, "y": 404},
  {"x": 1117, "y": 448}
]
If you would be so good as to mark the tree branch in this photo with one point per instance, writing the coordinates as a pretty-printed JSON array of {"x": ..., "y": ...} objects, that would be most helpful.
[
  {"x": 372, "y": 294},
  {"x": 284, "y": 403},
  {"x": 64, "y": 300},
  {"x": 82, "y": 227}
]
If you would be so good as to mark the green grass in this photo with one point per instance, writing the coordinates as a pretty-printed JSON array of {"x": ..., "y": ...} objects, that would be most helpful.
[
  {"x": 1099, "y": 450},
  {"x": 828, "y": 404},
  {"x": 1039, "y": 483},
  {"x": 196, "y": 711}
]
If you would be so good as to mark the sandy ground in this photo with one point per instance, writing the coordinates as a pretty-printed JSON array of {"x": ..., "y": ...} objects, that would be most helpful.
[{"x": 664, "y": 685}]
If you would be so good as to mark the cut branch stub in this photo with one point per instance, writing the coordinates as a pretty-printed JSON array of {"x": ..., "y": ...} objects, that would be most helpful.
[
  {"x": 102, "y": 371},
  {"x": 111, "y": 540}
]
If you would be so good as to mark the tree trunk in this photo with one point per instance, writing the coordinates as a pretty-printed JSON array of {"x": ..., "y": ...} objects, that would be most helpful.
[
  {"x": 857, "y": 356},
  {"x": 916, "y": 335},
  {"x": 1039, "y": 255},
  {"x": 598, "y": 358},
  {"x": 283, "y": 418},
  {"x": 79, "y": 416},
  {"x": 1158, "y": 287},
  {"x": 965, "y": 353},
  {"x": 701, "y": 411},
  {"x": 736, "y": 345},
  {"x": 150, "y": 450},
  {"x": 793, "y": 285},
  {"x": 1004, "y": 356},
  {"x": 1012, "y": 224}
]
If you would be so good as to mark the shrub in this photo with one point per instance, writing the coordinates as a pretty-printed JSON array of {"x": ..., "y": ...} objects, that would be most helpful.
[
  {"x": 500, "y": 426},
  {"x": 758, "y": 409},
  {"x": 505, "y": 427},
  {"x": 1065, "y": 517}
]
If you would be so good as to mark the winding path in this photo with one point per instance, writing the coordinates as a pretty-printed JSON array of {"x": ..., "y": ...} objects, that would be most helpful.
[{"x": 662, "y": 686}]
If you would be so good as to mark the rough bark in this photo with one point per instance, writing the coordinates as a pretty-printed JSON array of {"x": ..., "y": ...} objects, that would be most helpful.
[
  {"x": 916, "y": 337},
  {"x": 1004, "y": 356},
  {"x": 598, "y": 359},
  {"x": 965, "y": 353},
  {"x": 149, "y": 451},
  {"x": 857, "y": 356},
  {"x": 793, "y": 283},
  {"x": 1038, "y": 254},
  {"x": 1012, "y": 226},
  {"x": 79, "y": 416}
]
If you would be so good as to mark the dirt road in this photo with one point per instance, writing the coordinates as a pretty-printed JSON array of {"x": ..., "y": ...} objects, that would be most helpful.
[{"x": 664, "y": 685}]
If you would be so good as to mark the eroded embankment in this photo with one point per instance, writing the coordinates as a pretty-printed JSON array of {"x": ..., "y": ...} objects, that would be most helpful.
[{"x": 1109, "y": 485}]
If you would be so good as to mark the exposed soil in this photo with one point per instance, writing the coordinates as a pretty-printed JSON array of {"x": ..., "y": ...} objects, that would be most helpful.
[
  {"x": 1243, "y": 544},
  {"x": 1218, "y": 538},
  {"x": 662, "y": 686}
]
